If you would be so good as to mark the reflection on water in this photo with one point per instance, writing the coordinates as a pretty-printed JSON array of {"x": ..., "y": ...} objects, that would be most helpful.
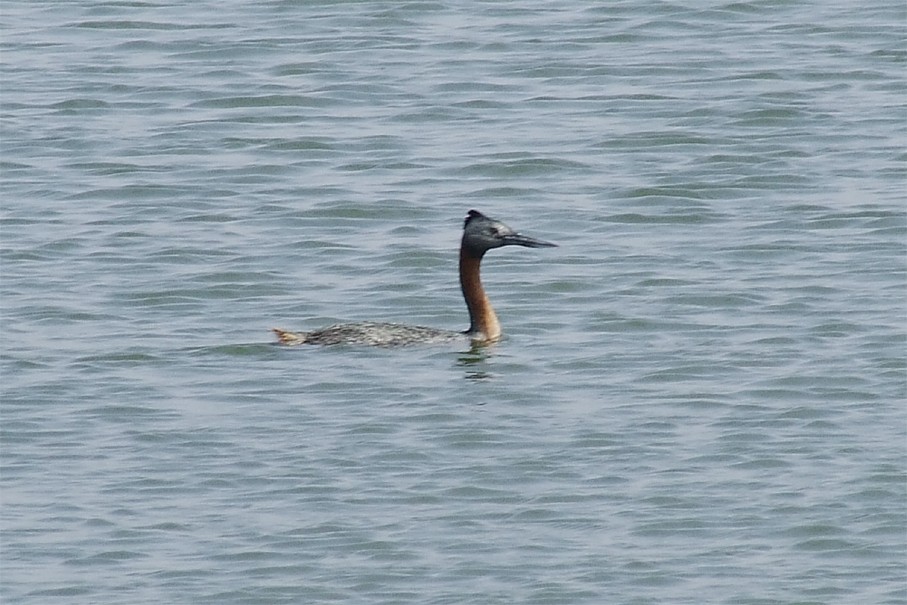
[{"x": 475, "y": 361}]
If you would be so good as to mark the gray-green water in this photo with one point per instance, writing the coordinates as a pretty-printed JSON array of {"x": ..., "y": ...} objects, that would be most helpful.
[{"x": 701, "y": 394}]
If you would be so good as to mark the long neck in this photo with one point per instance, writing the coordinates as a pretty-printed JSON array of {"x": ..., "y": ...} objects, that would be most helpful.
[{"x": 483, "y": 323}]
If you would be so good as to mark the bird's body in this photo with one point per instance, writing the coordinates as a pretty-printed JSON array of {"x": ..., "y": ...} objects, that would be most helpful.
[
  {"x": 480, "y": 234},
  {"x": 370, "y": 334}
]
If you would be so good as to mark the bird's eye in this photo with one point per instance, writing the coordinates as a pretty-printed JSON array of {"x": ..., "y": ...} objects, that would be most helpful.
[{"x": 494, "y": 232}]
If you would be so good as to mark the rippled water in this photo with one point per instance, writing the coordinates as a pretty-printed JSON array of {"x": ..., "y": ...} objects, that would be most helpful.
[{"x": 700, "y": 398}]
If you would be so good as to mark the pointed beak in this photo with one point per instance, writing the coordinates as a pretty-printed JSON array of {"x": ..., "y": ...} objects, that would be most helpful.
[{"x": 515, "y": 239}]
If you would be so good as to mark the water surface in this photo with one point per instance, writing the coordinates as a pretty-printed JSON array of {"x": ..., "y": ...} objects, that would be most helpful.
[{"x": 700, "y": 397}]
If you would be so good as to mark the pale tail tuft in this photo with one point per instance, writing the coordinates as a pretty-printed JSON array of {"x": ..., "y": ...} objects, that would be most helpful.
[{"x": 288, "y": 338}]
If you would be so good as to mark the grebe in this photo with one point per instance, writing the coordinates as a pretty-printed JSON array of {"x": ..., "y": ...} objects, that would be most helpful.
[{"x": 480, "y": 234}]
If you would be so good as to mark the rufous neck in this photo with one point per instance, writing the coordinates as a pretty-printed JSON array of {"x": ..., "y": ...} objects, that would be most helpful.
[{"x": 483, "y": 323}]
